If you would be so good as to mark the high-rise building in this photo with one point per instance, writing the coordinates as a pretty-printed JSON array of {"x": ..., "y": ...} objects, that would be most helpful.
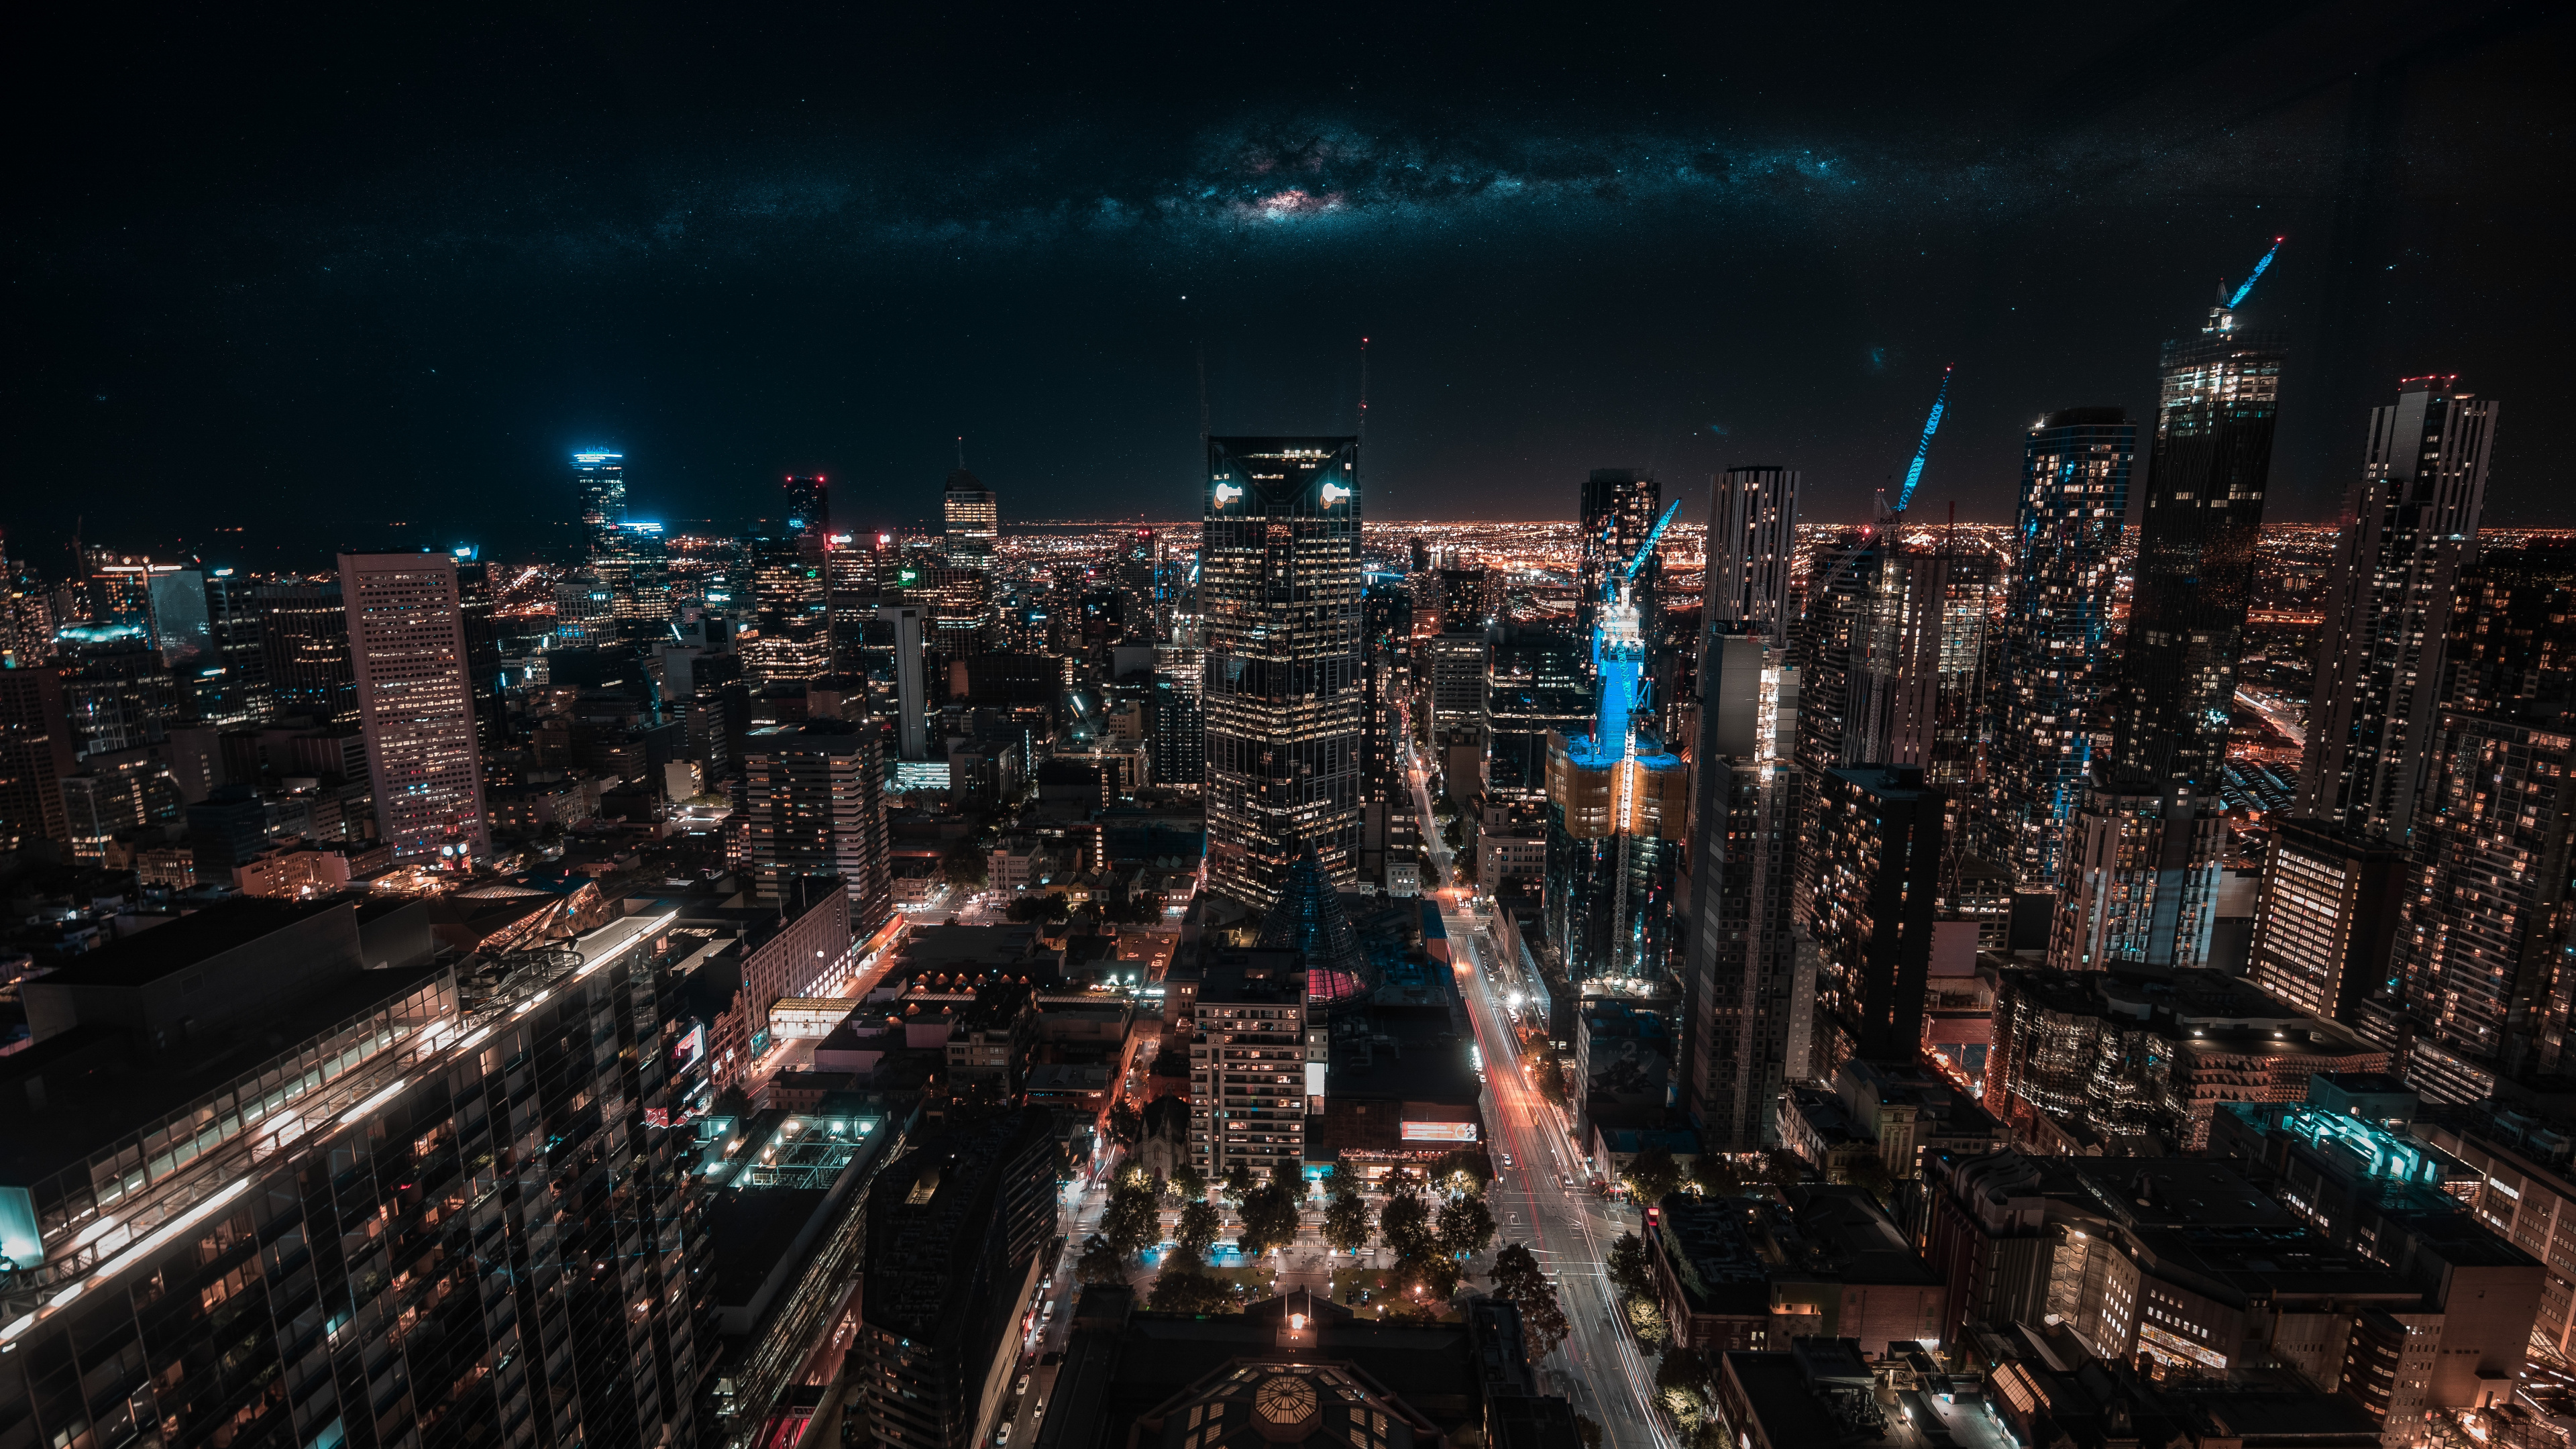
[
  {"x": 2484, "y": 924},
  {"x": 973, "y": 518},
  {"x": 2410, "y": 524},
  {"x": 2327, "y": 917},
  {"x": 1140, "y": 572},
  {"x": 1179, "y": 742},
  {"x": 233, "y": 690},
  {"x": 2210, "y": 461},
  {"x": 477, "y": 601},
  {"x": 117, "y": 692},
  {"x": 362, "y": 1242},
  {"x": 634, "y": 570},
  {"x": 1879, "y": 835},
  {"x": 26, "y": 615},
  {"x": 1618, "y": 511},
  {"x": 1251, "y": 1027},
  {"x": 599, "y": 486},
  {"x": 1537, "y": 688},
  {"x": 809, "y": 512},
  {"x": 1749, "y": 1008},
  {"x": 911, "y": 702},
  {"x": 956, "y": 1231},
  {"x": 2138, "y": 882},
  {"x": 416, "y": 704},
  {"x": 1618, "y": 807},
  {"x": 1752, "y": 549},
  {"x": 791, "y": 636},
  {"x": 1280, "y": 585},
  {"x": 304, "y": 650},
  {"x": 816, "y": 805},
  {"x": 35, "y": 757},
  {"x": 2054, "y": 658}
]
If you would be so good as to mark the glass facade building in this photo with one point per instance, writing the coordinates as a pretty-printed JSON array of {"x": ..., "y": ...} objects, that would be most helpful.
[
  {"x": 1280, "y": 587},
  {"x": 2053, "y": 658},
  {"x": 416, "y": 705}
]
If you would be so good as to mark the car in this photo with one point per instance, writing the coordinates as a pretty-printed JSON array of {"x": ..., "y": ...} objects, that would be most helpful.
[
  {"x": 1507, "y": 1159},
  {"x": 1024, "y": 1385},
  {"x": 1003, "y": 1435}
]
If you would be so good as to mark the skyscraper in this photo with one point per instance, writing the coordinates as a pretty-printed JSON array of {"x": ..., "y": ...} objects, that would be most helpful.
[
  {"x": 415, "y": 704},
  {"x": 2484, "y": 930},
  {"x": 1752, "y": 548},
  {"x": 35, "y": 757},
  {"x": 599, "y": 484},
  {"x": 2055, "y": 658},
  {"x": 1618, "y": 511},
  {"x": 2410, "y": 524},
  {"x": 974, "y": 521},
  {"x": 809, "y": 511},
  {"x": 1618, "y": 803},
  {"x": 1280, "y": 585},
  {"x": 1749, "y": 1008},
  {"x": 304, "y": 650},
  {"x": 1878, "y": 832},
  {"x": 817, "y": 807},
  {"x": 1140, "y": 564},
  {"x": 2141, "y": 882},
  {"x": 791, "y": 634},
  {"x": 2207, "y": 469}
]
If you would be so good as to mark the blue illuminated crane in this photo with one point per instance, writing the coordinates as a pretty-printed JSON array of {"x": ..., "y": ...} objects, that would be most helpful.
[
  {"x": 2257, "y": 274},
  {"x": 1913, "y": 475}
]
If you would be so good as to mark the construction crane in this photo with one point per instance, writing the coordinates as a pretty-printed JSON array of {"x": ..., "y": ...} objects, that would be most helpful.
[
  {"x": 2256, "y": 275},
  {"x": 1646, "y": 550},
  {"x": 1904, "y": 497}
]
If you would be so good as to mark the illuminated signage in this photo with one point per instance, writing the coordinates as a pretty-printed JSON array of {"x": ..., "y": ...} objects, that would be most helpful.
[
  {"x": 1335, "y": 493},
  {"x": 1226, "y": 493},
  {"x": 690, "y": 1047},
  {"x": 1439, "y": 1132}
]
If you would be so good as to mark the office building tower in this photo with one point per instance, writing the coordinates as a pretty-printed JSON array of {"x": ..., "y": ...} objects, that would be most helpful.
[
  {"x": 304, "y": 651},
  {"x": 361, "y": 1241},
  {"x": 599, "y": 488},
  {"x": 1618, "y": 804},
  {"x": 1280, "y": 585},
  {"x": 1830, "y": 644},
  {"x": 791, "y": 636},
  {"x": 1752, "y": 549},
  {"x": 1617, "y": 512},
  {"x": 180, "y": 627},
  {"x": 26, "y": 615},
  {"x": 416, "y": 705},
  {"x": 35, "y": 757},
  {"x": 2483, "y": 922},
  {"x": 1893, "y": 671},
  {"x": 1749, "y": 1009},
  {"x": 1251, "y": 1030},
  {"x": 1386, "y": 651},
  {"x": 957, "y": 601},
  {"x": 816, "y": 805},
  {"x": 2410, "y": 524},
  {"x": 912, "y": 703},
  {"x": 2210, "y": 460},
  {"x": 2138, "y": 883},
  {"x": 233, "y": 690},
  {"x": 1538, "y": 687},
  {"x": 1140, "y": 571},
  {"x": 634, "y": 573},
  {"x": 809, "y": 512},
  {"x": 1179, "y": 742},
  {"x": 2054, "y": 656},
  {"x": 973, "y": 519},
  {"x": 1972, "y": 583},
  {"x": 2327, "y": 918},
  {"x": 477, "y": 602},
  {"x": 956, "y": 1235},
  {"x": 116, "y": 691},
  {"x": 1878, "y": 832}
]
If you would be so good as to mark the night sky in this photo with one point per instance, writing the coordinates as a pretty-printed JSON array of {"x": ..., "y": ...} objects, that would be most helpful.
[{"x": 344, "y": 281}]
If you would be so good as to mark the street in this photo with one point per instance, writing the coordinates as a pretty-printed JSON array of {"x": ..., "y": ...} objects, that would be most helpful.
[{"x": 1543, "y": 1199}]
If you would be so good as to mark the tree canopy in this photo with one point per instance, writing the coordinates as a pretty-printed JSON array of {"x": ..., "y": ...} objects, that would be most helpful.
[{"x": 1518, "y": 1277}]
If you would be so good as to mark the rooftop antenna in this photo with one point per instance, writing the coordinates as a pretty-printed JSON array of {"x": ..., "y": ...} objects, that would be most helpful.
[
  {"x": 961, "y": 452},
  {"x": 1360, "y": 441}
]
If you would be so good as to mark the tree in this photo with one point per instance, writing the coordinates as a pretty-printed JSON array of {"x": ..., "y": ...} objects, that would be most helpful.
[
  {"x": 1131, "y": 1222},
  {"x": 1467, "y": 1171},
  {"x": 1628, "y": 1271},
  {"x": 1238, "y": 1182},
  {"x": 1717, "y": 1175},
  {"x": 1269, "y": 1219},
  {"x": 1100, "y": 1263},
  {"x": 1466, "y": 1226},
  {"x": 1051, "y": 906},
  {"x": 1189, "y": 1182},
  {"x": 1783, "y": 1168},
  {"x": 1190, "y": 1293},
  {"x": 1681, "y": 1381},
  {"x": 1346, "y": 1216},
  {"x": 964, "y": 866},
  {"x": 1870, "y": 1172},
  {"x": 1198, "y": 1225},
  {"x": 1126, "y": 1124},
  {"x": 1518, "y": 1279},
  {"x": 1404, "y": 1220},
  {"x": 1587, "y": 1430},
  {"x": 1652, "y": 1176},
  {"x": 1646, "y": 1320}
]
